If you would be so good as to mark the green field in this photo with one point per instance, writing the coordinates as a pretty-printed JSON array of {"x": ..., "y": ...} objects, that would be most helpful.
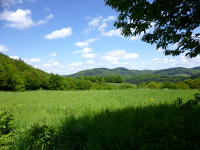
[{"x": 107, "y": 119}]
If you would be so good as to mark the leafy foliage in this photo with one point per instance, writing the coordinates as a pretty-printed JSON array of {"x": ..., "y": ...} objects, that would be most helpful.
[
  {"x": 15, "y": 75},
  {"x": 6, "y": 129},
  {"x": 164, "y": 23}
]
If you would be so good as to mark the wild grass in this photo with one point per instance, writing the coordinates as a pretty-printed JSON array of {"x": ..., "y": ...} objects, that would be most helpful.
[{"x": 113, "y": 119}]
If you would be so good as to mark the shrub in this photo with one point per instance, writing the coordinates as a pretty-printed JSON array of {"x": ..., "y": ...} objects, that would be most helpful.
[
  {"x": 101, "y": 86},
  {"x": 39, "y": 136},
  {"x": 6, "y": 125},
  {"x": 182, "y": 85},
  {"x": 6, "y": 129},
  {"x": 168, "y": 85}
]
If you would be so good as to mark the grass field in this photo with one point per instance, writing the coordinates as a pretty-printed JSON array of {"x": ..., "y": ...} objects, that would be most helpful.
[{"x": 113, "y": 119}]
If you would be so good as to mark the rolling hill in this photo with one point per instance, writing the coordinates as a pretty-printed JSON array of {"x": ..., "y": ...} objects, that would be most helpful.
[
  {"x": 178, "y": 71},
  {"x": 16, "y": 74}
]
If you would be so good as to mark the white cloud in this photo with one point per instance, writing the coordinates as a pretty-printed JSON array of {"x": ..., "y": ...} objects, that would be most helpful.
[
  {"x": 44, "y": 21},
  {"x": 179, "y": 61},
  {"x": 90, "y": 62},
  {"x": 52, "y": 66},
  {"x": 15, "y": 57},
  {"x": 100, "y": 23},
  {"x": 86, "y": 52},
  {"x": 76, "y": 64},
  {"x": 86, "y": 43},
  {"x": 3, "y": 49},
  {"x": 89, "y": 55},
  {"x": 116, "y": 32},
  {"x": 93, "y": 23},
  {"x": 115, "y": 56},
  {"x": 109, "y": 18},
  {"x": 21, "y": 19},
  {"x": 8, "y": 3},
  {"x": 163, "y": 60},
  {"x": 54, "y": 54},
  {"x": 61, "y": 33},
  {"x": 32, "y": 60}
]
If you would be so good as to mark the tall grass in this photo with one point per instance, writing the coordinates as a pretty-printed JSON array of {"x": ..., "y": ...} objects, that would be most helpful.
[{"x": 114, "y": 119}]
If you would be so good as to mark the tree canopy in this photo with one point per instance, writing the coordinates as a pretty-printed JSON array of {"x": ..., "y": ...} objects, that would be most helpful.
[{"x": 170, "y": 24}]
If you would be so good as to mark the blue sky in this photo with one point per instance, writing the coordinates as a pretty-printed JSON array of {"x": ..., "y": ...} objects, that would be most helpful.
[{"x": 67, "y": 36}]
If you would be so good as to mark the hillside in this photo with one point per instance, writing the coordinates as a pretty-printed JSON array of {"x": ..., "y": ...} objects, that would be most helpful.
[
  {"x": 105, "y": 71},
  {"x": 178, "y": 71},
  {"x": 16, "y": 75}
]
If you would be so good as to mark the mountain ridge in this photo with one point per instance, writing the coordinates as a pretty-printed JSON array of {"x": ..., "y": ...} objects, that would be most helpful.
[{"x": 126, "y": 72}]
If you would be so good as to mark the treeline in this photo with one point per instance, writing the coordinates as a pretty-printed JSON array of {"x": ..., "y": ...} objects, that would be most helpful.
[
  {"x": 57, "y": 82},
  {"x": 186, "y": 84},
  {"x": 155, "y": 77}
]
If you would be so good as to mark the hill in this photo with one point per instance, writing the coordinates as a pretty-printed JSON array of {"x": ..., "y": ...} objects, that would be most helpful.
[
  {"x": 139, "y": 76},
  {"x": 105, "y": 71},
  {"x": 178, "y": 71},
  {"x": 17, "y": 75}
]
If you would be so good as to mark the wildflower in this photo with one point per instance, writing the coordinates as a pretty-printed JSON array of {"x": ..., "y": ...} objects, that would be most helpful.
[{"x": 152, "y": 99}]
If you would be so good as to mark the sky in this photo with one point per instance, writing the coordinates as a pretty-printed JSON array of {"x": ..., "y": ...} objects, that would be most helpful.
[{"x": 67, "y": 36}]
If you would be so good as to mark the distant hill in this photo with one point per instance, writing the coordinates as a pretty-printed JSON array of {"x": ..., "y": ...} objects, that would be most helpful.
[
  {"x": 178, "y": 71},
  {"x": 17, "y": 74}
]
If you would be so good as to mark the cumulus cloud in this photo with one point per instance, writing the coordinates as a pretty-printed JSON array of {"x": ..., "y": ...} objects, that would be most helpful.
[
  {"x": 86, "y": 52},
  {"x": 85, "y": 43},
  {"x": 21, "y": 19},
  {"x": 52, "y": 66},
  {"x": 89, "y": 55},
  {"x": 60, "y": 33},
  {"x": 76, "y": 64},
  {"x": 100, "y": 23},
  {"x": 90, "y": 62},
  {"x": 163, "y": 60},
  {"x": 179, "y": 61},
  {"x": 115, "y": 56},
  {"x": 3, "y": 49},
  {"x": 32, "y": 60}
]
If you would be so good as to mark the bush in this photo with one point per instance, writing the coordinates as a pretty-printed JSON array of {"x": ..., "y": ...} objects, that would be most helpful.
[
  {"x": 168, "y": 85},
  {"x": 6, "y": 129},
  {"x": 81, "y": 84},
  {"x": 38, "y": 136},
  {"x": 101, "y": 86},
  {"x": 182, "y": 85},
  {"x": 6, "y": 125}
]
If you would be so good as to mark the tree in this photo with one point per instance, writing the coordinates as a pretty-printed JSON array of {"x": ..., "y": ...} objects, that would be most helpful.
[
  {"x": 161, "y": 22},
  {"x": 56, "y": 82}
]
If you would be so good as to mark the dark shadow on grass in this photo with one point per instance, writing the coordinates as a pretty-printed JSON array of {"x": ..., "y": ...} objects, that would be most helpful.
[{"x": 158, "y": 127}]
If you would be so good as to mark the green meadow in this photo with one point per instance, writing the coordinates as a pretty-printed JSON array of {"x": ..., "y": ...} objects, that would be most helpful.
[
  {"x": 104, "y": 119},
  {"x": 51, "y": 106}
]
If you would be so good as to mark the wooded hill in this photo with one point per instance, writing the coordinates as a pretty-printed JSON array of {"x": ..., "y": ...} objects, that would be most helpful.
[
  {"x": 139, "y": 76},
  {"x": 178, "y": 71},
  {"x": 17, "y": 75}
]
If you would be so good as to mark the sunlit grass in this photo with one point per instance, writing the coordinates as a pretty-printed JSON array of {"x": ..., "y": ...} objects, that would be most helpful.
[{"x": 52, "y": 106}]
